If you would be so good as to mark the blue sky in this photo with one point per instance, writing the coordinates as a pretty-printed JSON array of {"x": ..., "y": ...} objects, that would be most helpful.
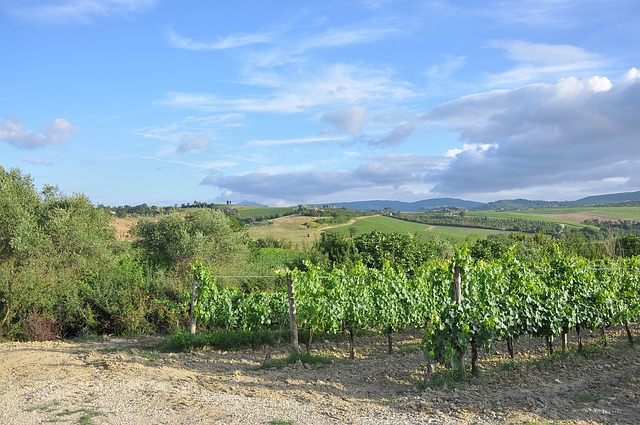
[{"x": 294, "y": 102}]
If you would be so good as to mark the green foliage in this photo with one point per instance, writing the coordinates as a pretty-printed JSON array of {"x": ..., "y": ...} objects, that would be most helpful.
[
  {"x": 294, "y": 357},
  {"x": 63, "y": 273},
  {"x": 255, "y": 214},
  {"x": 339, "y": 249},
  {"x": 174, "y": 240},
  {"x": 221, "y": 340},
  {"x": 403, "y": 251}
]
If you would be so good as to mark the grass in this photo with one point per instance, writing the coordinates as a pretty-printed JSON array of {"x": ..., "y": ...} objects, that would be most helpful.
[
  {"x": 281, "y": 422},
  {"x": 86, "y": 416},
  {"x": 245, "y": 212},
  {"x": 239, "y": 339},
  {"x": 291, "y": 228},
  {"x": 293, "y": 357},
  {"x": 222, "y": 340},
  {"x": 48, "y": 406}
]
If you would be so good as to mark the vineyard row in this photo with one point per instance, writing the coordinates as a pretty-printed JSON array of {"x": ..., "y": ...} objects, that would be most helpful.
[{"x": 498, "y": 301}]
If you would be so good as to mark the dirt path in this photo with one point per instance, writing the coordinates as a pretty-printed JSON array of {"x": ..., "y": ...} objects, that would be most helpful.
[
  {"x": 348, "y": 223},
  {"x": 121, "y": 381}
]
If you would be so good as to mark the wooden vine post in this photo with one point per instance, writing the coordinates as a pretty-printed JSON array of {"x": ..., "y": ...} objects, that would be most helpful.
[
  {"x": 192, "y": 306},
  {"x": 457, "y": 290},
  {"x": 293, "y": 320}
]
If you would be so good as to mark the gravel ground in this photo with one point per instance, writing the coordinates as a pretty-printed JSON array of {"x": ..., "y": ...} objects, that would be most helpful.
[{"x": 125, "y": 381}]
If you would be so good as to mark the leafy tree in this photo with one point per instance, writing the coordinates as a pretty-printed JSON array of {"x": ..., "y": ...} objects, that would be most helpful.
[
  {"x": 175, "y": 240},
  {"x": 339, "y": 249},
  {"x": 19, "y": 203}
]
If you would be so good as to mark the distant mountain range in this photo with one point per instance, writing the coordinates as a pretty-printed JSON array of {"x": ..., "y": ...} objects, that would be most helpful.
[{"x": 506, "y": 204}]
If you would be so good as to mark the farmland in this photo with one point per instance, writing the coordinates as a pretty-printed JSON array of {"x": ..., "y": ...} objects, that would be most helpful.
[{"x": 302, "y": 230}]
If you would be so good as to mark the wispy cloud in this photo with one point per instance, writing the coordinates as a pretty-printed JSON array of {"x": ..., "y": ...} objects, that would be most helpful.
[
  {"x": 349, "y": 120},
  {"x": 538, "y": 61},
  {"x": 333, "y": 85},
  {"x": 204, "y": 165},
  {"x": 533, "y": 13},
  {"x": 301, "y": 140},
  {"x": 229, "y": 42},
  {"x": 192, "y": 143},
  {"x": 204, "y": 125},
  {"x": 293, "y": 52},
  {"x": 36, "y": 161},
  {"x": 341, "y": 37},
  {"x": 542, "y": 53},
  {"x": 77, "y": 11},
  {"x": 11, "y": 131}
]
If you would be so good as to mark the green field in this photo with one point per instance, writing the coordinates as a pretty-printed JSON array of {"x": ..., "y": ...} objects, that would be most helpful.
[
  {"x": 392, "y": 225},
  {"x": 303, "y": 231},
  {"x": 259, "y": 212},
  {"x": 622, "y": 213}
]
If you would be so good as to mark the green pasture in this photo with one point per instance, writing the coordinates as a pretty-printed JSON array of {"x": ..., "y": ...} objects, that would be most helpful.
[
  {"x": 425, "y": 231},
  {"x": 245, "y": 212},
  {"x": 297, "y": 229}
]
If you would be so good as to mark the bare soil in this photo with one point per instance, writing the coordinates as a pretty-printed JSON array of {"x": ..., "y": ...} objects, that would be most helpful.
[
  {"x": 581, "y": 217},
  {"x": 125, "y": 381},
  {"x": 122, "y": 226}
]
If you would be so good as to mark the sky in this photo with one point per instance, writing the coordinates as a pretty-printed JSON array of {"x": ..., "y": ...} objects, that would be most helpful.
[{"x": 310, "y": 102}]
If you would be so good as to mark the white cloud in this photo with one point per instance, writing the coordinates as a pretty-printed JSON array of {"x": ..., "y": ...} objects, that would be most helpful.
[
  {"x": 398, "y": 135},
  {"x": 301, "y": 140},
  {"x": 229, "y": 42},
  {"x": 11, "y": 131},
  {"x": 540, "y": 61},
  {"x": 192, "y": 143},
  {"x": 534, "y": 13},
  {"x": 204, "y": 165},
  {"x": 333, "y": 85},
  {"x": 348, "y": 120},
  {"x": 523, "y": 51},
  {"x": 342, "y": 37},
  {"x": 36, "y": 161},
  {"x": 297, "y": 46},
  {"x": 77, "y": 11}
]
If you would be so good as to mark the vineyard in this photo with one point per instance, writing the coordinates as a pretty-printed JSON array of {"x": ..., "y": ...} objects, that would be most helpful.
[{"x": 497, "y": 301}]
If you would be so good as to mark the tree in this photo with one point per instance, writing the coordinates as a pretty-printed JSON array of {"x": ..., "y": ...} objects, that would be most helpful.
[
  {"x": 19, "y": 202},
  {"x": 339, "y": 249},
  {"x": 174, "y": 241}
]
